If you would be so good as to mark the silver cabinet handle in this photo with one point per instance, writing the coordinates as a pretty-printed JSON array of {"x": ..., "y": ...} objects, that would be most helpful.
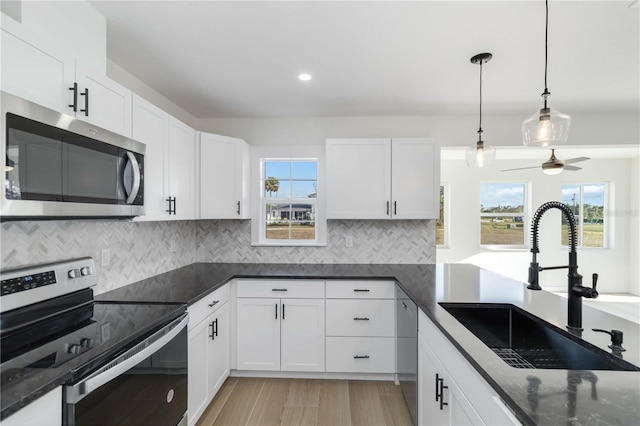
[
  {"x": 278, "y": 289},
  {"x": 127, "y": 360},
  {"x": 361, "y": 357},
  {"x": 133, "y": 163},
  {"x": 361, "y": 319}
]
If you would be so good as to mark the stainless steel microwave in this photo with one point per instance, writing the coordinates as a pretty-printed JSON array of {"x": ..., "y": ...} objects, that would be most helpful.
[{"x": 57, "y": 166}]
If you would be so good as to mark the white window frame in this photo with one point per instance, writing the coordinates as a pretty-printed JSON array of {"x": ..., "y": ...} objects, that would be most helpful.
[
  {"x": 447, "y": 215},
  {"x": 606, "y": 222},
  {"x": 526, "y": 213},
  {"x": 287, "y": 153}
]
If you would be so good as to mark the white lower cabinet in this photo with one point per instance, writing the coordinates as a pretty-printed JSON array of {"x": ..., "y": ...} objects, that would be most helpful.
[
  {"x": 361, "y": 326},
  {"x": 209, "y": 351},
  {"x": 455, "y": 394},
  {"x": 280, "y": 333},
  {"x": 44, "y": 411}
]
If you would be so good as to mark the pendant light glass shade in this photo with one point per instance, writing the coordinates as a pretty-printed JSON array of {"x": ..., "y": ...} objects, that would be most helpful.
[
  {"x": 547, "y": 127},
  {"x": 480, "y": 155}
]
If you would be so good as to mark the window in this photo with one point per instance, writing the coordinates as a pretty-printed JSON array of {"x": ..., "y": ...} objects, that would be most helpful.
[
  {"x": 502, "y": 214},
  {"x": 441, "y": 235},
  {"x": 289, "y": 208},
  {"x": 587, "y": 202}
]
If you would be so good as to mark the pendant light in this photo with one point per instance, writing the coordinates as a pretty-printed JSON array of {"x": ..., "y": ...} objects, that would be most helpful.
[
  {"x": 9, "y": 164},
  {"x": 480, "y": 154},
  {"x": 546, "y": 127}
]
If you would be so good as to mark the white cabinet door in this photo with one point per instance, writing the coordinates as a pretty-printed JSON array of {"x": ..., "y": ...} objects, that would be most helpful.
[
  {"x": 430, "y": 411},
  {"x": 151, "y": 127},
  {"x": 44, "y": 411},
  {"x": 415, "y": 179},
  {"x": 103, "y": 102},
  {"x": 258, "y": 334},
  {"x": 219, "y": 350},
  {"x": 197, "y": 380},
  {"x": 224, "y": 177},
  {"x": 302, "y": 335},
  {"x": 36, "y": 69},
  {"x": 181, "y": 157},
  {"x": 358, "y": 178}
]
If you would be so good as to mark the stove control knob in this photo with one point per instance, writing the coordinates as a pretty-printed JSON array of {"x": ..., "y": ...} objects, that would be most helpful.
[
  {"x": 73, "y": 349},
  {"x": 73, "y": 273},
  {"x": 84, "y": 271},
  {"x": 86, "y": 342}
]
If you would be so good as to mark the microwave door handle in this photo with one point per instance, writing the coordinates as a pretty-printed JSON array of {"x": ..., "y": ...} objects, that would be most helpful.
[
  {"x": 136, "y": 177},
  {"x": 124, "y": 362}
]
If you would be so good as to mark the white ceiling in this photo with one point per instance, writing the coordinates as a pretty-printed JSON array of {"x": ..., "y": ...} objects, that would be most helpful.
[{"x": 241, "y": 59}]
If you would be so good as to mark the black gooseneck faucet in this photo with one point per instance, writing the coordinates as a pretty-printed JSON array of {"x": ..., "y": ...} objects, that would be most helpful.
[{"x": 575, "y": 291}]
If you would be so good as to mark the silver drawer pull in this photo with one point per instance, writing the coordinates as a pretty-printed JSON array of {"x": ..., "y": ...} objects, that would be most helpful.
[
  {"x": 361, "y": 289},
  {"x": 361, "y": 319},
  {"x": 278, "y": 289},
  {"x": 361, "y": 357},
  {"x": 214, "y": 303}
]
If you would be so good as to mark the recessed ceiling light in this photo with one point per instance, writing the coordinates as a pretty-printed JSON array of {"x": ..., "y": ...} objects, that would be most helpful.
[{"x": 305, "y": 77}]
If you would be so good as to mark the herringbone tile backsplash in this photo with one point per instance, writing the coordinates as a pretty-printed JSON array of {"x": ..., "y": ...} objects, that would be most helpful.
[
  {"x": 143, "y": 249},
  {"x": 374, "y": 241},
  {"x": 138, "y": 249}
]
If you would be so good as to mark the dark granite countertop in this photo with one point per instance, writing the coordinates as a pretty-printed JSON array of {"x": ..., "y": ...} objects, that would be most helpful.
[
  {"x": 618, "y": 393},
  {"x": 24, "y": 380}
]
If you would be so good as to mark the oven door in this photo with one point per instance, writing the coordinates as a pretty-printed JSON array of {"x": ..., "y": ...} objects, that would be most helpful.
[{"x": 146, "y": 385}]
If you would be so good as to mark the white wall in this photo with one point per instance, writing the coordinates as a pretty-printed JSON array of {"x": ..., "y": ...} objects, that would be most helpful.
[
  {"x": 448, "y": 130},
  {"x": 616, "y": 266},
  {"x": 634, "y": 229}
]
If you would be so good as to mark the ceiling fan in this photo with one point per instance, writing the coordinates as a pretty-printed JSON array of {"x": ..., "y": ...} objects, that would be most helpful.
[{"x": 554, "y": 166}]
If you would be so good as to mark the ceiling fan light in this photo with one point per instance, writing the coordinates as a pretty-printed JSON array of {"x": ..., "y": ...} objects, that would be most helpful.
[
  {"x": 547, "y": 127},
  {"x": 480, "y": 155},
  {"x": 552, "y": 170}
]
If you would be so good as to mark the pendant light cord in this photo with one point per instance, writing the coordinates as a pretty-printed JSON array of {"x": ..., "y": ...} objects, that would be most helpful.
[
  {"x": 480, "y": 122},
  {"x": 546, "y": 93}
]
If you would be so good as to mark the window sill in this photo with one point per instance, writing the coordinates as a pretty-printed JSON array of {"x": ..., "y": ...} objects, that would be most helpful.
[{"x": 288, "y": 244}]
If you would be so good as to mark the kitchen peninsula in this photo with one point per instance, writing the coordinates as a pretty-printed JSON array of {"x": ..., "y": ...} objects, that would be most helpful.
[{"x": 610, "y": 398}]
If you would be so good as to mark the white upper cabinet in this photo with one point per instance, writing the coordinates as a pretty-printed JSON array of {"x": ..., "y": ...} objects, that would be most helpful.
[
  {"x": 415, "y": 178},
  {"x": 103, "y": 102},
  {"x": 35, "y": 68},
  {"x": 382, "y": 178},
  {"x": 169, "y": 169},
  {"x": 358, "y": 178},
  {"x": 224, "y": 177},
  {"x": 39, "y": 70},
  {"x": 182, "y": 172},
  {"x": 151, "y": 127}
]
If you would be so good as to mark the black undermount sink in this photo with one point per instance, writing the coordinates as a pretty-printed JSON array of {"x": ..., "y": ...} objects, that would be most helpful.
[{"x": 523, "y": 340}]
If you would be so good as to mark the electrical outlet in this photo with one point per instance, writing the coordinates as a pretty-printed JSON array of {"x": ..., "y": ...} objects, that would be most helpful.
[
  {"x": 105, "y": 331},
  {"x": 105, "y": 257},
  {"x": 348, "y": 241},
  {"x": 172, "y": 245}
]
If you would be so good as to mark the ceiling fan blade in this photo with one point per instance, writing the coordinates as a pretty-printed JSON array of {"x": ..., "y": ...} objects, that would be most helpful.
[
  {"x": 572, "y": 168},
  {"x": 576, "y": 160},
  {"x": 520, "y": 168}
]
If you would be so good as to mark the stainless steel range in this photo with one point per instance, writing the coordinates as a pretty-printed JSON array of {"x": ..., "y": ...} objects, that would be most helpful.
[{"x": 120, "y": 363}]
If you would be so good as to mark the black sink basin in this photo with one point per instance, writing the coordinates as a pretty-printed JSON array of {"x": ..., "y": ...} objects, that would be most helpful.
[{"x": 523, "y": 340}]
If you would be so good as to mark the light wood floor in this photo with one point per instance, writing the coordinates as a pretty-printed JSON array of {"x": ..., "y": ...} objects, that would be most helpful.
[{"x": 252, "y": 401}]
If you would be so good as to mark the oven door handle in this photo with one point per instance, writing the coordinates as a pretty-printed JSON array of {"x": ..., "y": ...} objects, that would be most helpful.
[{"x": 127, "y": 360}]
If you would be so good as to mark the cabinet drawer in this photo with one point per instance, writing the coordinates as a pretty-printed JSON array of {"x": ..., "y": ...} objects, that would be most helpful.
[
  {"x": 207, "y": 305},
  {"x": 360, "y": 289},
  {"x": 361, "y": 354},
  {"x": 359, "y": 317},
  {"x": 281, "y": 289}
]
